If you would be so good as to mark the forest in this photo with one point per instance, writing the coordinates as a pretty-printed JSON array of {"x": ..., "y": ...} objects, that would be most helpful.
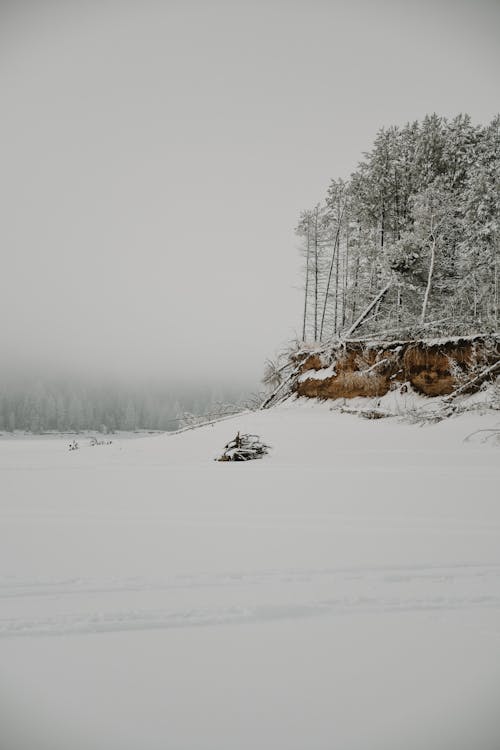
[
  {"x": 49, "y": 404},
  {"x": 409, "y": 245}
]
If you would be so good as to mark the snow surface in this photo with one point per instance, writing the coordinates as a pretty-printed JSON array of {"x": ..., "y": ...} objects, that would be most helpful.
[
  {"x": 323, "y": 374},
  {"x": 342, "y": 593}
]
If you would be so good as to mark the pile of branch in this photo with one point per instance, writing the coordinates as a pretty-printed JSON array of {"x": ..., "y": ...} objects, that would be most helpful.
[
  {"x": 244, "y": 448},
  {"x": 366, "y": 413}
]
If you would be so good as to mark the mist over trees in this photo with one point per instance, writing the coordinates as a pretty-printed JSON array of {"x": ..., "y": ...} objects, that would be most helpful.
[
  {"x": 51, "y": 404},
  {"x": 409, "y": 245}
]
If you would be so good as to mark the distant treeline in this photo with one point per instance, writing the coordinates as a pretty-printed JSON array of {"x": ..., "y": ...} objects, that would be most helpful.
[
  {"x": 409, "y": 245},
  {"x": 45, "y": 406}
]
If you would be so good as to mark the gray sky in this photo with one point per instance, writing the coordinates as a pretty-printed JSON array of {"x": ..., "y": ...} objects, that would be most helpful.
[{"x": 155, "y": 157}]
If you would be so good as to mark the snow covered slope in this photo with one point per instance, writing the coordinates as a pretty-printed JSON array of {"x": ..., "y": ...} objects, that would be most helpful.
[{"x": 341, "y": 593}]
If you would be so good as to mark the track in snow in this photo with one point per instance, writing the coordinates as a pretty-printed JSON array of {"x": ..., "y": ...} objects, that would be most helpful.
[{"x": 85, "y": 606}]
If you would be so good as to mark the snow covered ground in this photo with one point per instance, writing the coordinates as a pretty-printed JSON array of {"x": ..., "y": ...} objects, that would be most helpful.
[{"x": 343, "y": 593}]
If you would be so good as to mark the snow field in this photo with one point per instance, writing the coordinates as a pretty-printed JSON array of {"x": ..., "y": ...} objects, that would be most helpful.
[{"x": 343, "y": 592}]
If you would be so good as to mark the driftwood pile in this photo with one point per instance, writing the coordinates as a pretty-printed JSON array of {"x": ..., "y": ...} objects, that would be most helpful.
[
  {"x": 94, "y": 441},
  {"x": 244, "y": 448}
]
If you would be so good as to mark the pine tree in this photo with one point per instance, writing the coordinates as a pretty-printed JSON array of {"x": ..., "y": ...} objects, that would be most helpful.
[{"x": 419, "y": 219}]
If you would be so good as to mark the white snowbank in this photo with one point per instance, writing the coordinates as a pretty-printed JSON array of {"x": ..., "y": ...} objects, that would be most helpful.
[
  {"x": 403, "y": 401},
  {"x": 323, "y": 374}
]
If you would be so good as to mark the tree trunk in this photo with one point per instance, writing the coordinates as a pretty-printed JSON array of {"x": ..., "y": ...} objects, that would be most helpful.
[
  {"x": 355, "y": 289},
  {"x": 335, "y": 249},
  {"x": 382, "y": 227},
  {"x": 429, "y": 281},
  {"x": 316, "y": 275},
  {"x": 496, "y": 286},
  {"x": 307, "y": 281},
  {"x": 399, "y": 303},
  {"x": 335, "y": 325},
  {"x": 346, "y": 274}
]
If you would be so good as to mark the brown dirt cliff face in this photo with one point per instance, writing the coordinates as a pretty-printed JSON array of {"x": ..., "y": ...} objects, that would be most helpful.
[{"x": 434, "y": 368}]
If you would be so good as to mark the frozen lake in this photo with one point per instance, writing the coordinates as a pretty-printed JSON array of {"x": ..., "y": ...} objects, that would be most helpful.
[{"x": 344, "y": 592}]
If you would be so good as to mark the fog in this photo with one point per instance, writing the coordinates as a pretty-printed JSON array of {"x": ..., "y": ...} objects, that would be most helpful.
[{"x": 155, "y": 157}]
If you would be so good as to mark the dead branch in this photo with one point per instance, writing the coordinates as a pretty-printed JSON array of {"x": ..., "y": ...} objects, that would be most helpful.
[
  {"x": 473, "y": 381},
  {"x": 283, "y": 383},
  {"x": 367, "y": 310},
  {"x": 492, "y": 433}
]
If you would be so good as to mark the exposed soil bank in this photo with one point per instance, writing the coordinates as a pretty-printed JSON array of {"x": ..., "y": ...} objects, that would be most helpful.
[{"x": 434, "y": 367}]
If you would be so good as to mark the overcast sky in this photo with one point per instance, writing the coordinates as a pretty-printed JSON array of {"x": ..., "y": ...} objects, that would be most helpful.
[{"x": 155, "y": 156}]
